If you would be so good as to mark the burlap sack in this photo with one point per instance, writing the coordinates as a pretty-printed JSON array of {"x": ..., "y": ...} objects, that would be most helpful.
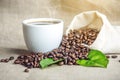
[{"x": 108, "y": 38}]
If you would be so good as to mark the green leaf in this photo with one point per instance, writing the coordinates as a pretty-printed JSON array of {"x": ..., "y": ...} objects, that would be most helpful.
[
  {"x": 95, "y": 59},
  {"x": 90, "y": 63},
  {"x": 86, "y": 63},
  {"x": 102, "y": 62},
  {"x": 96, "y": 55},
  {"x": 48, "y": 61}
]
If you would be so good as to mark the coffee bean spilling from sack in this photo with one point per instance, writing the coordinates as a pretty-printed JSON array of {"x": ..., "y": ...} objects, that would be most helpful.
[{"x": 71, "y": 49}]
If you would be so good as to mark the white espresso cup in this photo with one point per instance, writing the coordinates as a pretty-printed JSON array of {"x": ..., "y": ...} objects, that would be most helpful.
[{"x": 42, "y": 34}]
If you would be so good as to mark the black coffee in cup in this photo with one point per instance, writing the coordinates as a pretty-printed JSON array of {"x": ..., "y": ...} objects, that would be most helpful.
[{"x": 44, "y": 22}]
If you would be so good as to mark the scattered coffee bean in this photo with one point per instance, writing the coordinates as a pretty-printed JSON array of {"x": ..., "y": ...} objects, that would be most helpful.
[
  {"x": 107, "y": 56},
  {"x": 61, "y": 63},
  {"x": 11, "y": 58},
  {"x": 2, "y": 60},
  {"x": 26, "y": 70},
  {"x": 118, "y": 60},
  {"x": 114, "y": 56},
  {"x": 6, "y": 60}
]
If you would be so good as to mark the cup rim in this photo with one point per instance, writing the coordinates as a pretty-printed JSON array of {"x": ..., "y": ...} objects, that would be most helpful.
[{"x": 24, "y": 22}]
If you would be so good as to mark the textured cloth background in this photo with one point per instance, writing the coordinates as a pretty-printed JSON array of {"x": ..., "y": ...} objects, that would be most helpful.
[{"x": 13, "y": 12}]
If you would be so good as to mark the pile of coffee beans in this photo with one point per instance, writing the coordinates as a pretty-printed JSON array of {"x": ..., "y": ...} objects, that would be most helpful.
[
  {"x": 29, "y": 61},
  {"x": 70, "y": 50}
]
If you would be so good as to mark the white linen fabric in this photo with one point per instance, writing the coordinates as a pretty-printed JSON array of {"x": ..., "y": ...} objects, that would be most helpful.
[{"x": 108, "y": 38}]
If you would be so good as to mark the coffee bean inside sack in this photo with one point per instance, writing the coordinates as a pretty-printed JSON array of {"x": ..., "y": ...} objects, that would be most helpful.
[{"x": 71, "y": 49}]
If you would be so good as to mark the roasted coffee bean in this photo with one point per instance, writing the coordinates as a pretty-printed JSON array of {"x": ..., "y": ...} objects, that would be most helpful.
[
  {"x": 11, "y": 58},
  {"x": 73, "y": 56},
  {"x": 2, "y": 60},
  {"x": 114, "y": 56},
  {"x": 39, "y": 54},
  {"x": 58, "y": 55},
  {"x": 70, "y": 63},
  {"x": 50, "y": 56},
  {"x": 118, "y": 60},
  {"x": 21, "y": 57},
  {"x": 17, "y": 62},
  {"x": 69, "y": 58},
  {"x": 74, "y": 62},
  {"x": 61, "y": 63},
  {"x": 28, "y": 64},
  {"x": 107, "y": 56},
  {"x": 55, "y": 59},
  {"x": 6, "y": 60},
  {"x": 39, "y": 58},
  {"x": 26, "y": 70},
  {"x": 26, "y": 61}
]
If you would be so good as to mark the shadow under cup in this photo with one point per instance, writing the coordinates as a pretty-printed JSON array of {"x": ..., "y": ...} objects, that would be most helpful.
[{"x": 42, "y": 34}]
